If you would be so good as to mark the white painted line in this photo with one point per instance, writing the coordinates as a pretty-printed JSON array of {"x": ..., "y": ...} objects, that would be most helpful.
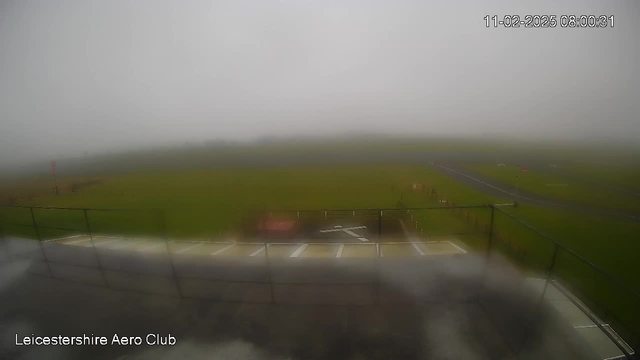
[
  {"x": 363, "y": 239},
  {"x": 589, "y": 326},
  {"x": 76, "y": 242},
  {"x": 415, "y": 246},
  {"x": 379, "y": 249},
  {"x": 189, "y": 248},
  {"x": 585, "y": 326},
  {"x": 211, "y": 242},
  {"x": 223, "y": 249},
  {"x": 352, "y": 233},
  {"x": 299, "y": 250},
  {"x": 480, "y": 181},
  {"x": 617, "y": 357},
  {"x": 65, "y": 237},
  {"x": 511, "y": 194},
  {"x": 340, "y": 249},
  {"x": 343, "y": 229},
  {"x": 456, "y": 246},
  {"x": 259, "y": 251},
  {"x": 108, "y": 242}
]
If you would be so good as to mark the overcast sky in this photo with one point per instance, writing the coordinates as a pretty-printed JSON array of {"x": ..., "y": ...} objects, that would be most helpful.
[{"x": 88, "y": 75}]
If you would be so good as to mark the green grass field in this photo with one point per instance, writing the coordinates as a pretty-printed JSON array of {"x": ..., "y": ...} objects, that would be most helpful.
[
  {"x": 562, "y": 187},
  {"x": 617, "y": 175},
  {"x": 607, "y": 242},
  {"x": 214, "y": 202}
]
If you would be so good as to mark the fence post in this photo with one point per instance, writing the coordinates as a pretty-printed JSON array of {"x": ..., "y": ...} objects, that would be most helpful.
[
  {"x": 35, "y": 226},
  {"x": 485, "y": 268},
  {"x": 95, "y": 250},
  {"x": 550, "y": 270},
  {"x": 165, "y": 236},
  {"x": 376, "y": 299},
  {"x": 4, "y": 241},
  {"x": 266, "y": 255},
  {"x": 490, "y": 230}
]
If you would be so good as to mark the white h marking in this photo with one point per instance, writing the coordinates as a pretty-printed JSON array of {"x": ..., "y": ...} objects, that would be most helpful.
[{"x": 348, "y": 231}]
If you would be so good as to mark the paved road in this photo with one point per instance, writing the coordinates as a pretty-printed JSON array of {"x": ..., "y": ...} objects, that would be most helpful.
[{"x": 496, "y": 188}]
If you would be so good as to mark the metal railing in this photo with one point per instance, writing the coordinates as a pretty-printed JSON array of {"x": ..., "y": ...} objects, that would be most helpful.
[
  {"x": 605, "y": 312},
  {"x": 472, "y": 223}
]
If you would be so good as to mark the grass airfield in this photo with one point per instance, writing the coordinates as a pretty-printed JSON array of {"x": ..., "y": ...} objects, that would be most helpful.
[
  {"x": 211, "y": 194},
  {"x": 570, "y": 185}
]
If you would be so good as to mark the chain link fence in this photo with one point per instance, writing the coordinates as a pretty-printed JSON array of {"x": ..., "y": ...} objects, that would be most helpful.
[{"x": 269, "y": 274}]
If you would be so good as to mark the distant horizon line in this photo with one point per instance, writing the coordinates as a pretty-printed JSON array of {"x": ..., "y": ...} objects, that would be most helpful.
[{"x": 617, "y": 143}]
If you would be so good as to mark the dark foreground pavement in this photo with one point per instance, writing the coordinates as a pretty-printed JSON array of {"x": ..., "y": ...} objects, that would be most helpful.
[{"x": 446, "y": 307}]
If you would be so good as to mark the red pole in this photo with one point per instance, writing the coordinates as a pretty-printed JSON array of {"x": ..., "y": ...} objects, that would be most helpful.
[{"x": 53, "y": 172}]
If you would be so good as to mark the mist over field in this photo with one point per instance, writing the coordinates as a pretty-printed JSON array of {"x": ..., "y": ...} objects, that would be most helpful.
[
  {"x": 330, "y": 179},
  {"x": 95, "y": 76}
]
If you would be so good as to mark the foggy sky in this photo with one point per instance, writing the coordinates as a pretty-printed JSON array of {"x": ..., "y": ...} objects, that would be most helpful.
[{"x": 91, "y": 76}]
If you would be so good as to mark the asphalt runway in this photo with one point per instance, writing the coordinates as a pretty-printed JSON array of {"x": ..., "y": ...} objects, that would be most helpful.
[{"x": 498, "y": 189}]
